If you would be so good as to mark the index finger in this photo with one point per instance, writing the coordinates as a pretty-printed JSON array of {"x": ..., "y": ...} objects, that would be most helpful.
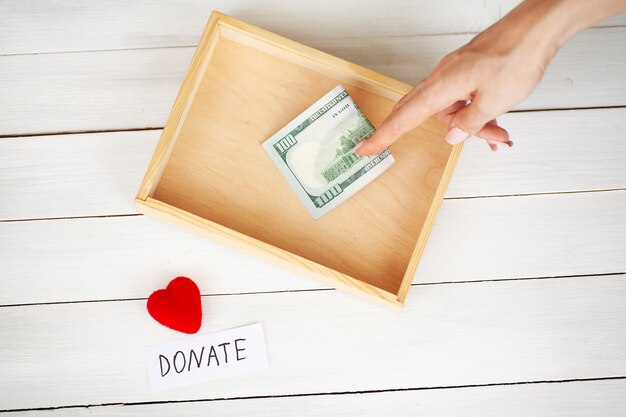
[{"x": 423, "y": 103}]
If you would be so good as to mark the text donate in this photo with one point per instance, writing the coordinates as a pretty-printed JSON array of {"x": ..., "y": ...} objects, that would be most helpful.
[
  {"x": 182, "y": 362},
  {"x": 205, "y": 357}
]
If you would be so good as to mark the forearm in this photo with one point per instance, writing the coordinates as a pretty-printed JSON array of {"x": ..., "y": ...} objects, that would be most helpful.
[{"x": 556, "y": 21}]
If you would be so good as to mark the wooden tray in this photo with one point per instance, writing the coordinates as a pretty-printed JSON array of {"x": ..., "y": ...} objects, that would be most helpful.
[{"x": 210, "y": 175}]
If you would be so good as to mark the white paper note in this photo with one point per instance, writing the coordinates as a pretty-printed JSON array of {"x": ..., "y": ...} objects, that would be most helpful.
[{"x": 205, "y": 357}]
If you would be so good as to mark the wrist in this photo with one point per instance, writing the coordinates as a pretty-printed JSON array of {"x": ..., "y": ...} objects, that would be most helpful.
[{"x": 538, "y": 27}]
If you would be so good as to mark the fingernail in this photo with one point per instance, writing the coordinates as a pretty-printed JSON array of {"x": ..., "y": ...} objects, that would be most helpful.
[
  {"x": 493, "y": 147},
  {"x": 456, "y": 135},
  {"x": 510, "y": 144},
  {"x": 357, "y": 146}
]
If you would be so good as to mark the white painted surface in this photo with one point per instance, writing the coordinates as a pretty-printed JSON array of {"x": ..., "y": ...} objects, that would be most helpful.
[
  {"x": 69, "y": 66},
  {"x": 39, "y": 26},
  {"x": 473, "y": 239},
  {"x": 73, "y": 175},
  {"x": 326, "y": 341},
  {"x": 129, "y": 89},
  {"x": 46, "y": 27},
  {"x": 98, "y": 174},
  {"x": 576, "y": 399}
]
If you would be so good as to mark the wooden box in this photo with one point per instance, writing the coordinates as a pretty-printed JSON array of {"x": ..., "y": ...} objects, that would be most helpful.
[{"x": 210, "y": 175}]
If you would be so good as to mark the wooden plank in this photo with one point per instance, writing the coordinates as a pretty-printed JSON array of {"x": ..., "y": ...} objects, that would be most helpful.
[
  {"x": 99, "y": 173},
  {"x": 39, "y": 26},
  {"x": 44, "y": 27},
  {"x": 73, "y": 175},
  {"x": 89, "y": 90},
  {"x": 587, "y": 71},
  {"x": 447, "y": 335},
  {"x": 573, "y": 399},
  {"x": 553, "y": 152},
  {"x": 136, "y": 89},
  {"x": 474, "y": 239},
  {"x": 533, "y": 236}
]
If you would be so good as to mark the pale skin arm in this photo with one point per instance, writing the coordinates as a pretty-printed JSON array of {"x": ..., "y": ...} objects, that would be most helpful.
[{"x": 496, "y": 70}]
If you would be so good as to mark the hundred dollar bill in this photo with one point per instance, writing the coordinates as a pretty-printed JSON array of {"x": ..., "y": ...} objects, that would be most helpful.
[{"x": 314, "y": 153}]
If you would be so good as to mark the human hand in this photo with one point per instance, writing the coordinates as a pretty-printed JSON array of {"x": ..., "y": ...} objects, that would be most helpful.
[
  {"x": 468, "y": 89},
  {"x": 498, "y": 69}
]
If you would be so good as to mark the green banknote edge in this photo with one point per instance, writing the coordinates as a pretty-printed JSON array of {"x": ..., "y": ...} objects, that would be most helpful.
[{"x": 290, "y": 139}]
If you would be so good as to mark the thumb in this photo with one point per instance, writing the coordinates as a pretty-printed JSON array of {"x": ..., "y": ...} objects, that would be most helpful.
[{"x": 466, "y": 122}]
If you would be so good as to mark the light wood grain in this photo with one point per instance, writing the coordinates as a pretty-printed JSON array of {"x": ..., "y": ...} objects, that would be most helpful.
[
  {"x": 136, "y": 89},
  {"x": 209, "y": 173},
  {"x": 457, "y": 334},
  {"x": 573, "y": 399},
  {"x": 38, "y": 26},
  {"x": 98, "y": 173},
  {"x": 282, "y": 258},
  {"x": 180, "y": 109},
  {"x": 475, "y": 239}
]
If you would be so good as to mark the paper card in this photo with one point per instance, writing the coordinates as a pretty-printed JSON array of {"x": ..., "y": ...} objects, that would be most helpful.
[{"x": 210, "y": 356}]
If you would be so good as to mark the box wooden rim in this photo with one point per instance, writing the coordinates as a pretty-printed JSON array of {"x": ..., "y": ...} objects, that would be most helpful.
[{"x": 205, "y": 227}]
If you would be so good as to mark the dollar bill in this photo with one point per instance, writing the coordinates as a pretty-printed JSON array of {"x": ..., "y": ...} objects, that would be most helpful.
[{"x": 314, "y": 152}]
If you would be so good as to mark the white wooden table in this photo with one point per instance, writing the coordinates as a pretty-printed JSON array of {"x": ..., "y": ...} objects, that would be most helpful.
[{"x": 518, "y": 307}]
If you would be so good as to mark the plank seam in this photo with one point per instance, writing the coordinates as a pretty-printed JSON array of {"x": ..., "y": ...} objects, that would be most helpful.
[
  {"x": 79, "y": 132},
  {"x": 89, "y": 51},
  {"x": 101, "y": 216},
  {"x": 320, "y": 394},
  {"x": 138, "y": 129},
  {"x": 299, "y": 290},
  {"x": 600, "y": 190},
  {"x": 302, "y": 40},
  {"x": 619, "y": 106}
]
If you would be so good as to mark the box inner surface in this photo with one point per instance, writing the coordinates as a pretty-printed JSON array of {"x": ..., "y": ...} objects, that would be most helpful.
[{"x": 219, "y": 171}]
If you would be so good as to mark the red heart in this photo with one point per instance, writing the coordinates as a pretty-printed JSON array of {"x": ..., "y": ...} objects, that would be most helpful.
[{"x": 178, "y": 306}]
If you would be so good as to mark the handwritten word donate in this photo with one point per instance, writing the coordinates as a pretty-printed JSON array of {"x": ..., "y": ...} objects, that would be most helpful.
[
  {"x": 180, "y": 359},
  {"x": 201, "y": 358}
]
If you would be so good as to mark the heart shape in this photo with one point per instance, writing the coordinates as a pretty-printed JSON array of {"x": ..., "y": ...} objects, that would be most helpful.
[{"x": 178, "y": 306}]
